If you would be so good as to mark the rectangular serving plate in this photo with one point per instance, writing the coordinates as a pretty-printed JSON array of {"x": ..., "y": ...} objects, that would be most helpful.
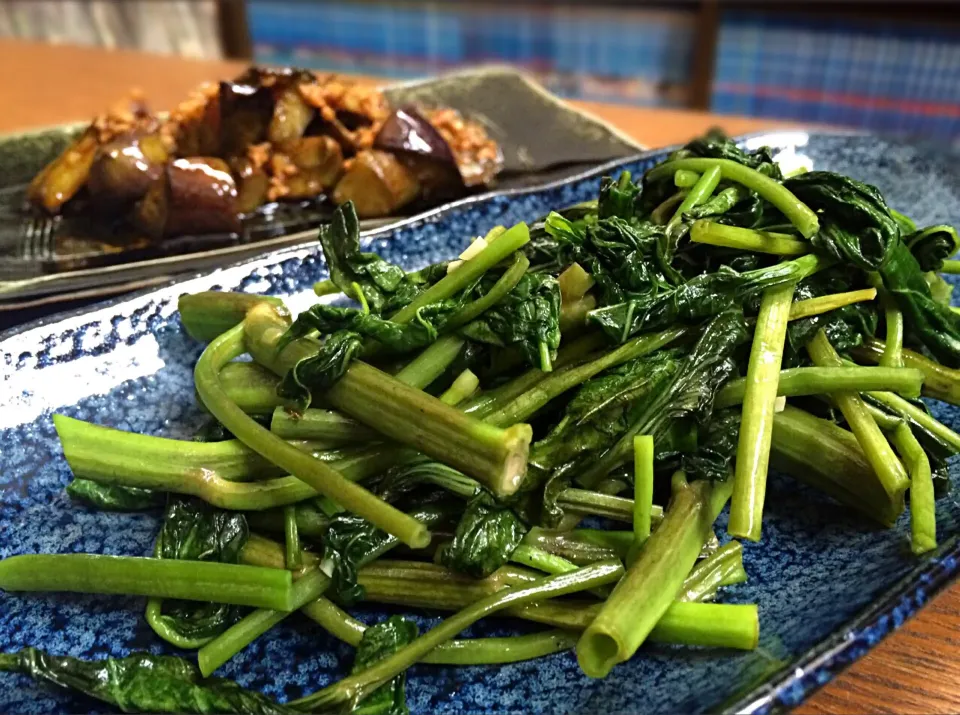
[
  {"x": 57, "y": 256},
  {"x": 828, "y": 584}
]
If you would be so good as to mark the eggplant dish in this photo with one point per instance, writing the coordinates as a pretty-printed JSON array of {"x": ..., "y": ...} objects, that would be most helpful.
[{"x": 235, "y": 148}]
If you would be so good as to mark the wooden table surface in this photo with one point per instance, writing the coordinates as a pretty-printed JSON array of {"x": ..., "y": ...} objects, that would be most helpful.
[{"x": 917, "y": 670}]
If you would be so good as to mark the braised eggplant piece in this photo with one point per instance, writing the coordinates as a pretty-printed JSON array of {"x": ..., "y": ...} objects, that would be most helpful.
[
  {"x": 446, "y": 152},
  {"x": 479, "y": 158},
  {"x": 318, "y": 164},
  {"x": 247, "y": 107},
  {"x": 378, "y": 184},
  {"x": 194, "y": 126},
  {"x": 245, "y": 114},
  {"x": 62, "y": 178},
  {"x": 195, "y": 195},
  {"x": 252, "y": 184},
  {"x": 423, "y": 150},
  {"x": 408, "y": 131},
  {"x": 124, "y": 169},
  {"x": 291, "y": 116}
]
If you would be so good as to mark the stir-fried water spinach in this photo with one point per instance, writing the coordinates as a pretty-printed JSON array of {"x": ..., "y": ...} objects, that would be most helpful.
[{"x": 669, "y": 341}]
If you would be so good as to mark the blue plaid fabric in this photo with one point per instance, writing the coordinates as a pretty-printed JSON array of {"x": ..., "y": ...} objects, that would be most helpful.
[
  {"x": 620, "y": 55},
  {"x": 881, "y": 76}
]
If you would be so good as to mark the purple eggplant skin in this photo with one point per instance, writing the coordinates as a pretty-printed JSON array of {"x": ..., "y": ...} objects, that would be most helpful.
[
  {"x": 192, "y": 196},
  {"x": 248, "y": 104},
  {"x": 245, "y": 114},
  {"x": 125, "y": 168},
  {"x": 424, "y": 152},
  {"x": 378, "y": 183},
  {"x": 408, "y": 131}
]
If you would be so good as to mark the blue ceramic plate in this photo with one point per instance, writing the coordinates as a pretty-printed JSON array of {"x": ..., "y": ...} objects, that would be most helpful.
[{"x": 829, "y": 586}]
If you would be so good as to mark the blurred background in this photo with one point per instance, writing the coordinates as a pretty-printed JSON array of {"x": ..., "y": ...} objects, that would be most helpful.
[{"x": 888, "y": 67}]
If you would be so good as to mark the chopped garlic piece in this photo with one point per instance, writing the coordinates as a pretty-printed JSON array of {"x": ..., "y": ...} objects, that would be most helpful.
[
  {"x": 474, "y": 248},
  {"x": 779, "y": 404},
  {"x": 453, "y": 265}
]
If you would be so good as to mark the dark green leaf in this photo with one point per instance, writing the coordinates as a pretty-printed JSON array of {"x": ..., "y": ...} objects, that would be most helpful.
[
  {"x": 485, "y": 538},
  {"x": 601, "y": 410},
  {"x": 404, "y": 478},
  {"x": 396, "y": 337},
  {"x": 347, "y": 542},
  {"x": 617, "y": 198},
  {"x": 926, "y": 321},
  {"x": 702, "y": 297},
  {"x": 322, "y": 370},
  {"x": 195, "y": 531},
  {"x": 113, "y": 497},
  {"x": 691, "y": 389},
  {"x": 143, "y": 683},
  {"x": 855, "y": 223},
  {"x": 349, "y": 266},
  {"x": 528, "y": 318},
  {"x": 931, "y": 246},
  {"x": 379, "y": 642},
  {"x": 717, "y": 447}
]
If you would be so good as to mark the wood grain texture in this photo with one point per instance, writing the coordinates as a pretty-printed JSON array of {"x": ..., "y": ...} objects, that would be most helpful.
[{"x": 916, "y": 670}]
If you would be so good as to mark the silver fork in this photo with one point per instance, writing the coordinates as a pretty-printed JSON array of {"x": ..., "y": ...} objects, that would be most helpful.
[{"x": 38, "y": 238}]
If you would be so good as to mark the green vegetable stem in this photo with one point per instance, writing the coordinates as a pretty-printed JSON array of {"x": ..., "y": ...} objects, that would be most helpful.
[
  {"x": 299, "y": 464},
  {"x": 756, "y": 421},
  {"x": 654, "y": 579},
  {"x": 875, "y": 446},
  {"x": 160, "y": 578},
  {"x": 497, "y": 457},
  {"x": 355, "y": 687}
]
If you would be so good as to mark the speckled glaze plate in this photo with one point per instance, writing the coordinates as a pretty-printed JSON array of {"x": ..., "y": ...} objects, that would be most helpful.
[
  {"x": 829, "y": 586},
  {"x": 542, "y": 138}
]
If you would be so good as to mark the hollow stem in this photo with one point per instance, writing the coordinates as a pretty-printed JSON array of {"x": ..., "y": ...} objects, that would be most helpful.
[
  {"x": 939, "y": 381},
  {"x": 211, "y": 313},
  {"x": 684, "y": 179},
  {"x": 747, "y": 239},
  {"x": 452, "y": 283},
  {"x": 923, "y": 508},
  {"x": 797, "y": 381},
  {"x": 252, "y": 387},
  {"x": 506, "y": 283},
  {"x": 318, "y": 424},
  {"x": 642, "y": 491},
  {"x": 355, "y": 687},
  {"x": 826, "y": 303},
  {"x": 221, "y": 473},
  {"x": 313, "y": 472},
  {"x": 158, "y": 578},
  {"x": 875, "y": 447},
  {"x": 497, "y": 457},
  {"x": 306, "y": 589},
  {"x": 911, "y": 412},
  {"x": 653, "y": 581},
  {"x": 432, "y": 362},
  {"x": 724, "y": 567},
  {"x": 829, "y": 458},
  {"x": 465, "y": 384},
  {"x": 294, "y": 557},
  {"x": 756, "y": 422}
]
